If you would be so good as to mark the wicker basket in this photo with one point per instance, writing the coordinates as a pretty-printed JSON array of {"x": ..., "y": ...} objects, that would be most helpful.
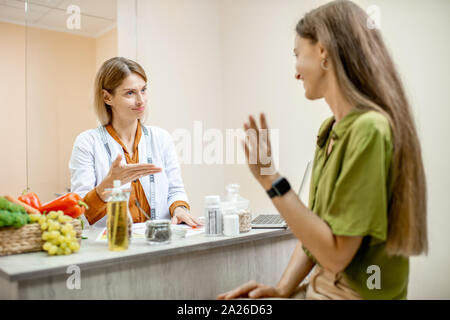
[{"x": 27, "y": 238}]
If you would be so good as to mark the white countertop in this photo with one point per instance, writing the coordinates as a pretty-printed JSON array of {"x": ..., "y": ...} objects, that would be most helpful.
[{"x": 94, "y": 254}]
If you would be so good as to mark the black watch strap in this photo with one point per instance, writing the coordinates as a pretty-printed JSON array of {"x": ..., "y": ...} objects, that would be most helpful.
[
  {"x": 272, "y": 193},
  {"x": 279, "y": 188}
]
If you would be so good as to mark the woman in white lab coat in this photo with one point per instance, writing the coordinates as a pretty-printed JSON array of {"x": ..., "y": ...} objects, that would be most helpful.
[{"x": 142, "y": 157}]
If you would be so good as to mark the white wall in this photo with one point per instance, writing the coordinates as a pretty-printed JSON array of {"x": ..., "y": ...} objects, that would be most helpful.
[
  {"x": 179, "y": 47},
  {"x": 126, "y": 29},
  {"x": 417, "y": 34},
  {"x": 13, "y": 169},
  {"x": 259, "y": 67},
  {"x": 219, "y": 60}
]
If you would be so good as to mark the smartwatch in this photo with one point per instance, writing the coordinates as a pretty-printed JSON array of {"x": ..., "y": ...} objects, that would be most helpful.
[{"x": 279, "y": 188}]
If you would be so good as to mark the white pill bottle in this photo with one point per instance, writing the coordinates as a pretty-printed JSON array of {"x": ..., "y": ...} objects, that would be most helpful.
[{"x": 213, "y": 216}]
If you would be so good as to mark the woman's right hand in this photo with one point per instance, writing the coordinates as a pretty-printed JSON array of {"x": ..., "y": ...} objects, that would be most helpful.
[
  {"x": 253, "y": 290},
  {"x": 125, "y": 173}
]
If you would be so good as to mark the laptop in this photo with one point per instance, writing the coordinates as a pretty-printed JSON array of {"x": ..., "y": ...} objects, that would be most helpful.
[{"x": 275, "y": 221}]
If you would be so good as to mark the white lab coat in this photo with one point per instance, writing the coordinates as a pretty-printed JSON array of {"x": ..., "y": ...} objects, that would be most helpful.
[{"x": 89, "y": 164}]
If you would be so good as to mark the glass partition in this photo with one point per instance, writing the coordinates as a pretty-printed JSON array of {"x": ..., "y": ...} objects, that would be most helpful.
[
  {"x": 12, "y": 103},
  {"x": 66, "y": 43}
]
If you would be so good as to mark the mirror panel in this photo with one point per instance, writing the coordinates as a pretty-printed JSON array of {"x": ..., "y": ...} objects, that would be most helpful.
[
  {"x": 66, "y": 43},
  {"x": 13, "y": 164}
]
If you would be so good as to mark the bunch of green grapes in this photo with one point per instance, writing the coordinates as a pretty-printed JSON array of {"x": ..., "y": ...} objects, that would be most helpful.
[{"x": 58, "y": 233}]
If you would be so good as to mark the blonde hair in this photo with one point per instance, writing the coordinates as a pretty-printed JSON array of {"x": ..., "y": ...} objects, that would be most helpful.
[
  {"x": 109, "y": 77},
  {"x": 368, "y": 78}
]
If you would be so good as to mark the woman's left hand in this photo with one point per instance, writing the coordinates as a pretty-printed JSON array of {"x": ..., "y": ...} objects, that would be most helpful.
[
  {"x": 181, "y": 214},
  {"x": 258, "y": 151},
  {"x": 252, "y": 290}
]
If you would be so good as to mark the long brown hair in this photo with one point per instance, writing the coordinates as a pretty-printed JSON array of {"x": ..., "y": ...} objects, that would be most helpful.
[
  {"x": 111, "y": 75},
  {"x": 368, "y": 78}
]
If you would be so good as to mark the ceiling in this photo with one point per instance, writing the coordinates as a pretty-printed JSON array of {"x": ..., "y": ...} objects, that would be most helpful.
[{"x": 97, "y": 16}]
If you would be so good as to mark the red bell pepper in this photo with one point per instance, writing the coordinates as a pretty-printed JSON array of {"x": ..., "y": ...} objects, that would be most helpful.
[
  {"x": 30, "y": 199},
  {"x": 70, "y": 203}
]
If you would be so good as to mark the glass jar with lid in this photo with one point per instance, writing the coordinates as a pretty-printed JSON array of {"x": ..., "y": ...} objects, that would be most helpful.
[
  {"x": 158, "y": 231},
  {"x": 234, "y": 199}
]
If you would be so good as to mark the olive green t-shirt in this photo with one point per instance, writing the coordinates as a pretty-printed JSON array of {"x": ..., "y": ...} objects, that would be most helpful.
[{"x": 351, "y": 190}]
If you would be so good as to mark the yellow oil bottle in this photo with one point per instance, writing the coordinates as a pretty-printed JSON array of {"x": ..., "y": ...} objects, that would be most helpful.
[{"x": 117, "y": 223}]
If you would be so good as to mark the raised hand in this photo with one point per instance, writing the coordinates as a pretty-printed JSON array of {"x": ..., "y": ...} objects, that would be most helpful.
[
  {"x": 125, "y": 173},
  {"x": 258, "y": 151}
]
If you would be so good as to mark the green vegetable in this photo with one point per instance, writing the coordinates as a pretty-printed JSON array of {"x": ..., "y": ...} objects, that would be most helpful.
[
  {"x": 9, "y": 218},
  {"x": 16, "y": 208},
  {"x": 19, "y": 220},
  {"x": 9, "y": 206},
  {"x": 6, "y": 218},
  {"x": 25, "y": 219},
  {"x": 14, "y": 218},
  {"x": 4, "y": 204}
]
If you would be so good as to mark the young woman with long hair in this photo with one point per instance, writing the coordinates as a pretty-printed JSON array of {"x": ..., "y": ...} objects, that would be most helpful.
[{"x": 367, "y": 208}]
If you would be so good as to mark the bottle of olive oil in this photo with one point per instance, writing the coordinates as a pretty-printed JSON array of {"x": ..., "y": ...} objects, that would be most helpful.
[{"x": 117, "y": 223}]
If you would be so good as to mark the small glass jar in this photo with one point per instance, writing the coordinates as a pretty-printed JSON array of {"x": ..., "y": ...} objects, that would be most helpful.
[
  {"x": 178, "y": 232},
  {"x": 158, "y": 231},
  {"x": 245, "y": 220}
]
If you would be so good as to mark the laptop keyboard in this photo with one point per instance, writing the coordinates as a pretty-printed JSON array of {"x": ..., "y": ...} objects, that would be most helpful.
[{"x": 268, "y": 219}]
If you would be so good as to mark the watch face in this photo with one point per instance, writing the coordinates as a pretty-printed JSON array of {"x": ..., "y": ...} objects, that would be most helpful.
[{"x": 282, "y": 187}]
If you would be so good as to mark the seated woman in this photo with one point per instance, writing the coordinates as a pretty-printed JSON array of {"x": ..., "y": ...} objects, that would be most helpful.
[
  {"x": 367, "y": 205},
  {"x": 142, "y": 157}
]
